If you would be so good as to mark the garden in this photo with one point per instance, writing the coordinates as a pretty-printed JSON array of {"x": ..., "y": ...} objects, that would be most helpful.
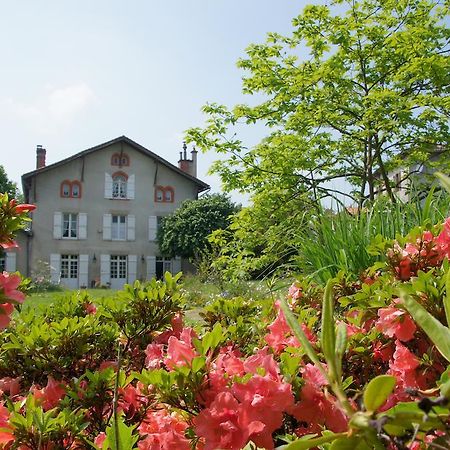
[
  {"x": 310, "y": 324},
  {"x": 357, "y": 362}
]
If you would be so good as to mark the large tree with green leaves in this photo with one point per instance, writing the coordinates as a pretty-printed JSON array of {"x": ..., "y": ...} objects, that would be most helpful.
[
  {"x": 185, "y": 232},
  {"x": 357, "y": 89},
  {"x": 7, "y": 186}
]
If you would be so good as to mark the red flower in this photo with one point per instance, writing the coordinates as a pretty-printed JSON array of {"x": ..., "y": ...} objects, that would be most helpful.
[
  {"x": 180, "y": 352},
  {"x": 24, "y": 208},
  {"x": 396, "y": 322},
  {"x": 8, "y": 287},
  {"x": 51, "y": 394},
  {"x": 6, "y": 431},
  {"x": 225, "y": 424},
  {"x": 163, "y": 431}
]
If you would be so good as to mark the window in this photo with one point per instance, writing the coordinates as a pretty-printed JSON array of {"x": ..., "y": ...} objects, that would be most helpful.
[
  {"x": 70, "y": 189},
  {"x": 119, "y": 186},
  {"x": 118, "y": 266},
  {"x": 69, "y": 266},
  {"x": 163, "y": 265},
  {"x": 118, "y": 228},
  {"x": 120, "y": 159},
  {"x": 159, "y": 194},
  {"x": 2, "y": 262},
  {"x": 65, "y": 189},
  {"x": 70, "y": 226},
  {"x": 76, "y": 189},
  {"x": 164, "y": 194}
]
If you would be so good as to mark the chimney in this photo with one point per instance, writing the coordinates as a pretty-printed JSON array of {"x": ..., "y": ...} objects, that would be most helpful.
[
  {"x": 194, "y": 162},
  {"x": 188, "y": 165},
  {"x": 40, "y": 157}
]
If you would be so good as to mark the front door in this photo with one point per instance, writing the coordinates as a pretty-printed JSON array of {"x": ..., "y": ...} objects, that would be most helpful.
[
  {"x": 69, "y": 271},
  {"x": 118, "y": 271}
]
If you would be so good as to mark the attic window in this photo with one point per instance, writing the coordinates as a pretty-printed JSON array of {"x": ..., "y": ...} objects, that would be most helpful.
[
  {"x": 120, "y": 159},
  {"x": 76, "y": 189},
  {"x": 164, "y": 194},
  {"x": 65, "y": 189},
  {"x": 70, "y": 189}
]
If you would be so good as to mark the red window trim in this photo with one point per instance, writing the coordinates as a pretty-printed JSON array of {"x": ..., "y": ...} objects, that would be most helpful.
[
  {"x": 70, "y": 184},
  {"x": 119, "y": 173},
  {"x": 164, "y": 189},
  {"x": 120, "y": 157}
]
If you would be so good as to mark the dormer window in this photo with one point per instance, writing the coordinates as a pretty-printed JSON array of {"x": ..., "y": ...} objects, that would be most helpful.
[
  {"x": 70, "y": 189},
  {"x": 120, "y": 159},
  {"x": 119, "y": 185},
  {"x": 164, "y": 194}
]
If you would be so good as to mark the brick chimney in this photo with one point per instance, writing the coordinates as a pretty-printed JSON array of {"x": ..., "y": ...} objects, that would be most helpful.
[
  {"x": 188, "y": 165},
  {"x": 40, "y": 157}
]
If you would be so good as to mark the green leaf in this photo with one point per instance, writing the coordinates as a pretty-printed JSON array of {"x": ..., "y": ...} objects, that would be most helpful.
[
  {"x": 438, "y": 333},
  {"x": 125, "y": 439},
  {"x": 377, "y": 391},
  {"x": 304, "y": 444},
  {"x": 341, "y": 345},
  {"x": 300, "y": 335},
  {"x": 446, "y": 298},
  {"x": 328, "y": 336},
  {"x": 444, "y": 180}
]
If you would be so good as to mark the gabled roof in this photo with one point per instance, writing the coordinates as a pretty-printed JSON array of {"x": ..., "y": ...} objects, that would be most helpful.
[{"x": 122, "y": 139}]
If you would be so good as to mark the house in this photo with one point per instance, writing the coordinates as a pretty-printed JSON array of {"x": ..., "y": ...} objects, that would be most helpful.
[
  {"x": 419, "y": 176},
  {"x": 98, "y": 211}
]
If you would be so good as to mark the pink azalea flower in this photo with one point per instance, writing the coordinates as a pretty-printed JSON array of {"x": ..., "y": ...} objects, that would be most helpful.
[
  {"x": 6, "y": 431},
  {"x": 179, "y": 353},
  {"x": 50, "y": 396},
  {"x": 280, "y": 334},
  {"x": 225, "y": 424},
  {"x": 295, "y": 291},
  {"x": 154, "y": 356},
  {"x": 10, "y": 385},
  {"x": 9, "y": 284},
  {"x": 163, "y": 431},
  {"x": 100, "y": 439},
  {"x": 264, "y": 400},
  {"x": 396, "y": 322},
  {"x": 262, "y": 360}
]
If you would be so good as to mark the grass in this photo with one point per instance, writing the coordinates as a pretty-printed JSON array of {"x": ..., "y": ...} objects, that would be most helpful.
[{"x": 38, "y": 299}]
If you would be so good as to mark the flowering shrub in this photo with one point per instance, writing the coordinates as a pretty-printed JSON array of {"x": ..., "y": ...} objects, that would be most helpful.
[{"x": 353, "y": 364}]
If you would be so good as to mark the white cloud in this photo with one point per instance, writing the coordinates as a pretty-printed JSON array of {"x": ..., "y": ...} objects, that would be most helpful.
[{"x": 54, "y": 110}]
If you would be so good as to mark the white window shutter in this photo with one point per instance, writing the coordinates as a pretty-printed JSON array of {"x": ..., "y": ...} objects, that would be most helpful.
[
  {"x": 82, "y": 226},
  {"x": 108, "y": 185},
  {"x": 151, "y": 267},
  {"x": 55, "y": 268},
  {"x": 132, "y": 268},
  {"x": 176, "y": 265},
  {"x": 131, "y": 187},
  {"x": 131, "y": 224},
  {"x": 152, "y": 228},
  {"x": 83, "y": 271},
  {"x": 57, "y": 225},
  {"x": 10, "y": 263},
  {"x": 107, "y": 227},
  {"x": 105, "y": 270}
]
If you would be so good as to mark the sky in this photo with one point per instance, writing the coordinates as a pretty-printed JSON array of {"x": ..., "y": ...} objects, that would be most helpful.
[{"x": 77, "y": 74}]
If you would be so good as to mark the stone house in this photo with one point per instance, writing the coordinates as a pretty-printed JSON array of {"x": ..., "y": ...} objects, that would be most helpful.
[{"x": 98, "y": 211}]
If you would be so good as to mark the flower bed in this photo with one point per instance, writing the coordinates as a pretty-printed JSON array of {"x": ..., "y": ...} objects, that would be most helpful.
[{"x": 358, "y": 363}]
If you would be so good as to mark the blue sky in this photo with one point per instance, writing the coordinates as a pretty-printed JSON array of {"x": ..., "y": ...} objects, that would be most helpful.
[{"x": 76, "y": 74}]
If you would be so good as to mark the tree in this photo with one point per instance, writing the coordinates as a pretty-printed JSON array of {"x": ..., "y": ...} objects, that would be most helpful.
[
  {"x": 357, "y": 89},
  {"x": 184, "y": 233},
  {"x": 7, "y": 186}
]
